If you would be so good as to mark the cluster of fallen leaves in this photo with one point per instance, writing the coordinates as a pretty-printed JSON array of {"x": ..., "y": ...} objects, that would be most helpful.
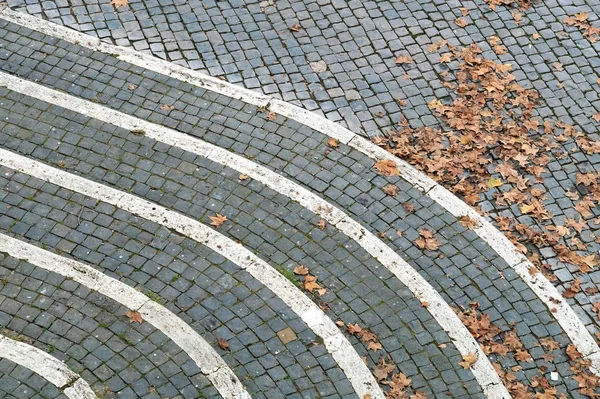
[
  {"x": 365, "y": 335},
  {"x": 397, "y": 382},
  {"x": 522, "y": 4},
  {"x": 580, "y": 20},
  {"x": 427, "y": 240},
  {"x": 310, "y": 282},
  {"x": 494, "y": 145}
]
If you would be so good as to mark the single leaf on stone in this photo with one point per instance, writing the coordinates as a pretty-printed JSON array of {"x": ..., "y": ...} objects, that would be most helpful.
[
  {"x": 387, "y": 167},
  {"x": 131, "y": 87},
  {"x": 217, "y": 220},
  {"x": 301, "y": 270},
  {"x": 460, "y": 22},
  {"x": 271, "y": 115},
  {"x": 134, "y": 316},
  {"x": 403, "y": 59},
  {"x": 445, "y": 58},
  {"x": 558, "y": 66},
  {"x": 517, "y": 17},
  {"x": 223, "y": 344},
  {"x": 391, "y": 189},
  {"x": 333, "y": 142},
  {"x": 166, "y": 107},
  {"x": 596, "y": 307},
  {"x": 340, "y": 323},
  {"x": 536, "y": 36},
  {"x": 374, "y": 346},
  {"x": 119, "y": 3},
  {"x": 468, "y": 360},
  {"x": 310, "y": 284},
  {"x": 295, "y": 28},
  {"x": 573, "y": 289},
  {"x": 464, "y": 11},
  {"x": 242, "y": 176},
  {"x": 596, "y": 117}
]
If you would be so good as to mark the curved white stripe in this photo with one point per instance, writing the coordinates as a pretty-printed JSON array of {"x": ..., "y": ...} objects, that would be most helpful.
[
  {"x": 538, "y": 283},
  {"x": 46, "y": 366},
  {"x": 336, "y": 343},
  {"x": 439, "y": 309},
  {"x": 207, "y": 359}
]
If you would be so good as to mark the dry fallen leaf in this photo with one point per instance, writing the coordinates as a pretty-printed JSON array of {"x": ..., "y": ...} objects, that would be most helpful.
[
  {"x": 387, "y": 167},
  {"x": 468, "y": 360},
  {"x": 271, "y": 115},
  {"x": 469, "y": 222},
  {"x": 242, "y": 176},
  {"x": 217, "y": 220},
  {"x": 134, "y": 316},
  {"x": 390, "y": 189},
  {"x": 310, "y": 284},
  {"x": 119, "y": 3},
  {"x": 131, "y": 87},
  {"x": 321, "y": 224},
  {"x": 460, "y": 22},
  {"x": 223, "y": 344},
  {"x": 403, "y": 59},
  {"x": 333, "y": 143},
  {"x": 295, "y": 28},
  {"x": 301, "y": 270},
  {"x": 340, "y": 323},
  {"x": 166, "y": 107},
  {"x": 374, "y": 346}
]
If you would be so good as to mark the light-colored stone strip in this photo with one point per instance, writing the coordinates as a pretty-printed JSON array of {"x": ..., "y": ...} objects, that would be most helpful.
[
  {"x": 48, "y": 367},
  {"x": 336, "y": 343},
  {"x": 439, "y": 309},
  {"x": 200, "y": 351},
  {"x": 538, "y": 283}
]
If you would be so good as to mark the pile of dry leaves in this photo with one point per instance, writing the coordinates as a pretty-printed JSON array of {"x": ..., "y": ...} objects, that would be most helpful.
[{"x": 494, "y": 148}]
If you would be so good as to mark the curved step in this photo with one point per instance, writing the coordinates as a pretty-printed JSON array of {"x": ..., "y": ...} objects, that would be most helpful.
[
  {"x": 47, "y": 366},
  {"x": 207, "y": 359}
]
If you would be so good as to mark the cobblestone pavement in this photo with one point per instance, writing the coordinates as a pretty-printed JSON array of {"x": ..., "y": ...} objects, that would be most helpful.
[{"x": 339, "y": 63}]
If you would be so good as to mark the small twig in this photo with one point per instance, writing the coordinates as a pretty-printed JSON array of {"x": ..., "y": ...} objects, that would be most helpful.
[{"x": 79, "y": 215}]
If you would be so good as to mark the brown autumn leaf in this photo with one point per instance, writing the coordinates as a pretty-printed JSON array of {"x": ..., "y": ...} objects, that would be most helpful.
[
  {"x": 460, "y": 22},
  {"x": 374, "y": 346},
  {"x": 445, "y": 58},
  {"x": 271, "y": 116},
  {"x": 468, "y": 222},
  {"x": 166, "y": 107},
  {"x": 518, "y": 17},
  {"x": 310, "y": 284},
  {"x": 468, "y": 360},
  {"x": 596, "y": 117},
  {"x": 301, "y": 270},
  {"x": 321, "y": 224},
  {"x": 242, "y": 176},
  {"x": 573, "y": 289},
  {"x": 134, "y": 316},
  {"x": 340, "y": 323},
  {"x": 536, "y": 36},
  {"x": 522, "y": 355},
  {"x": 572, "y": 352},
  {"x": 383, "y": 369},
  {"x": 295, "y": 28},
  {"x": 131, "y": 87},
  {"x": 427, "y": 240},
  {"x": 387, "y": 167},
  {"x": 403, "y": 59},
  {"x": 408, "y": 208},
  {"x": 464, "y": 11},
  {"x": 223, "y": 344},
  {"x": 354, "y": 328},
  {"x": 217, "y": 220},
  {"x": 558, "y": 66},
  {"x": 119, "y": 3},
  {"x": 596, "y": 307},
  {"x": 333, "y": 143},
  {"x": 391, "y": 189}
]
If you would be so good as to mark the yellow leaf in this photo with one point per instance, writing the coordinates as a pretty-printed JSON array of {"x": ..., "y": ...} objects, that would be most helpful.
[
  {"x": 493, "y": 182},
  {"x": 526, "y": 208}
]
